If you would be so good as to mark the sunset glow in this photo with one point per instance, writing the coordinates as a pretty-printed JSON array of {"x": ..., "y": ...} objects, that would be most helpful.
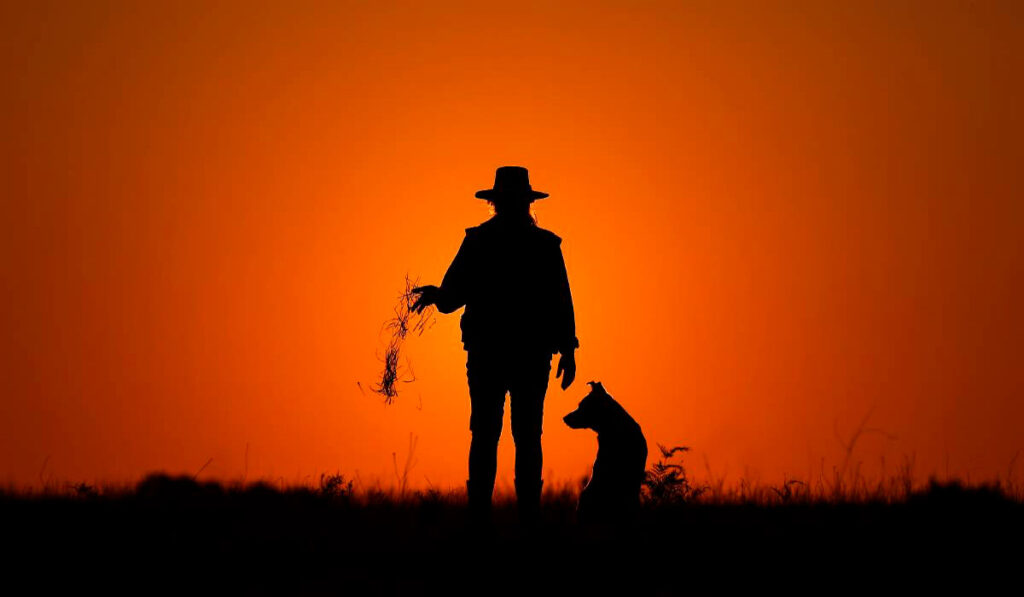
[{"x": 777, "y": 223}]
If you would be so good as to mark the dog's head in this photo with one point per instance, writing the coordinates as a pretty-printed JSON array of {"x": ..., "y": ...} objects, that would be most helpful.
[{"x": 593, "y": 409}]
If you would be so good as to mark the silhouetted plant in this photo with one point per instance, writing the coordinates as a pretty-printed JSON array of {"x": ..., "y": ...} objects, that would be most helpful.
[
  {"x": 431, "y": 494},
  {"x": 83, "y": 490},
  {"x": 786, "y": 493},
  {"x": 666, "y": 481},
  {"x": 335, "y": 486}
]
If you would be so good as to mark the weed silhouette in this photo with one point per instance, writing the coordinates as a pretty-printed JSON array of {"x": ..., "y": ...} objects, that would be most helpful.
[
  {"x": 666, "y": 482},
  {"x": 335, "y": 486}
]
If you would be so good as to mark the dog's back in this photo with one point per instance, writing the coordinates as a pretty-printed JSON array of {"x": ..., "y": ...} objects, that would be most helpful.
[{"x": 614, "y": 488}]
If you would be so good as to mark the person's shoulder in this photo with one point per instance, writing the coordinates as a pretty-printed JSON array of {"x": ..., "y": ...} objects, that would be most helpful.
[
  {"x": 486, "y": 230},
  {"x": 548, "y": 236},
  {"x": 475, "y": 231},
  {"x": 496, "y": 229},
  {"x": 482, "y": 228}
]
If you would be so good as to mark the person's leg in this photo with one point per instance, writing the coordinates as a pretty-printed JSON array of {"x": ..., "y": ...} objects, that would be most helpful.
[
  {"x": 487, "y": 398},
  {"x": 526, "y": 389}
]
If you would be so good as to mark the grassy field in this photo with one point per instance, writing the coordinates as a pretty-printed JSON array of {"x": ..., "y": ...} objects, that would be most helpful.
[{"x": 826, "y": 537}]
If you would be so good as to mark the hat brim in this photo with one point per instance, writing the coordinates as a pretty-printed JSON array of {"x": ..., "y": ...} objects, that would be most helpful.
[{"x": 492, "y": 194}]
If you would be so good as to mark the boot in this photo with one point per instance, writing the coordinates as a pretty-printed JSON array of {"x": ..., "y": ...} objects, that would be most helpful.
[{"x": 528, "y": 501}]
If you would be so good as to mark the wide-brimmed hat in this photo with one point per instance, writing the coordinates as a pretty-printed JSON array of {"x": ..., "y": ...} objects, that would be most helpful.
[{"x": 511, "y": 182}]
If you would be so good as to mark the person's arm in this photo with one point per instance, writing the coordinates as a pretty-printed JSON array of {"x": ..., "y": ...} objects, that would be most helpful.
[{"x": 451, "y": 295}]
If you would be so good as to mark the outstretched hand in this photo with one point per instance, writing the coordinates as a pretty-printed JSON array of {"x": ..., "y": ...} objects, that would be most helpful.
[
  {"x": 428, "y": 297},
  {"x": 566, "y": 366}
]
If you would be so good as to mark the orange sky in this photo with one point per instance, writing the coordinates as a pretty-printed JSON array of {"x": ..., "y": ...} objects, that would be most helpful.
[{"x": 775, "y": 219}]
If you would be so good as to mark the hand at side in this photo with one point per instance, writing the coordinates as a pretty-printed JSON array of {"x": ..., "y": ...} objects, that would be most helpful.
[{"x": 567, "y": 369}]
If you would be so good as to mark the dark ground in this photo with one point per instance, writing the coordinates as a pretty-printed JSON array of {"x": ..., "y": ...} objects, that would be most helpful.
[{"x": 176, "y": 535}]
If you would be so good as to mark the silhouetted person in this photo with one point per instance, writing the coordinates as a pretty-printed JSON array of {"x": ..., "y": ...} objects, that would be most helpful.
[{"x": 510, "y": 275}]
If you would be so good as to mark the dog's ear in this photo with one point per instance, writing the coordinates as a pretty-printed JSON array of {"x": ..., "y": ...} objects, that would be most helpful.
[{"x": 596, "y": 387}]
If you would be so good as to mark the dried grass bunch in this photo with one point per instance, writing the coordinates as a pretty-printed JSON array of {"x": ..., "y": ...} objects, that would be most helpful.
[{"x": 399, "y": 326}]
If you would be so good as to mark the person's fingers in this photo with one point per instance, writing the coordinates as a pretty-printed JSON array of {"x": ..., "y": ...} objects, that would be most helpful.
[{"x": 569, "y": 377}]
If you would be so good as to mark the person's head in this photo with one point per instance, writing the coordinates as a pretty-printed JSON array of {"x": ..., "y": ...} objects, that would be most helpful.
[{"x": 512, "y": 194}]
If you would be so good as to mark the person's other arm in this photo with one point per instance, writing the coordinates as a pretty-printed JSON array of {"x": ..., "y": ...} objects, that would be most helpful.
[
  {"x": 566, "y": 316},
  {"x": 565, "y": 319}
]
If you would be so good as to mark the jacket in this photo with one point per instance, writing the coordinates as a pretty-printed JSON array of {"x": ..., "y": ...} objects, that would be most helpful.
[{"x": 511, "y": 278}]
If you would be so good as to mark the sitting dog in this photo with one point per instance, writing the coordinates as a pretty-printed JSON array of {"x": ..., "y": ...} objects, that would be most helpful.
[{"x": 613, "y": 492}]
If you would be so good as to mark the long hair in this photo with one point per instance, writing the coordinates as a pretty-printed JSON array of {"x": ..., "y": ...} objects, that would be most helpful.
[{"x": 513, "y": 210}]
